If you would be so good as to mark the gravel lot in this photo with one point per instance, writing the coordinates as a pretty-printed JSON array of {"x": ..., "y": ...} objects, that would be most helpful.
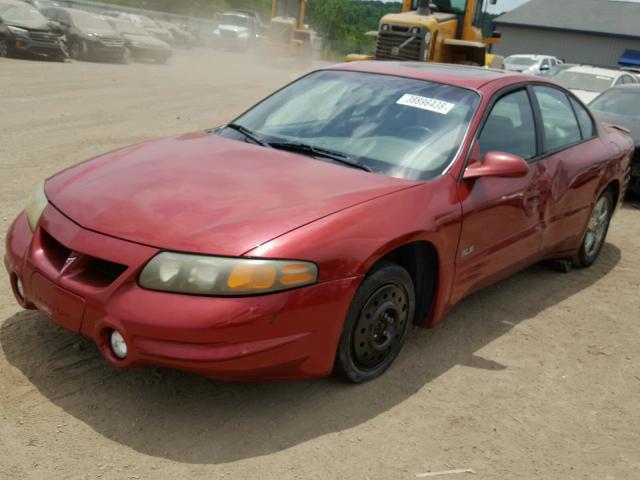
[{"x": 537, "y": 377}]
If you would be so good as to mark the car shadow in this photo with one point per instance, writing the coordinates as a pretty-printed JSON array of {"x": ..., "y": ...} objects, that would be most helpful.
[{"x": 186, "y": 418}]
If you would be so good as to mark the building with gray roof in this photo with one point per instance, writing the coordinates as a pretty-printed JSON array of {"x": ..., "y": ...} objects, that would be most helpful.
[{"x": 596, "y": 32}]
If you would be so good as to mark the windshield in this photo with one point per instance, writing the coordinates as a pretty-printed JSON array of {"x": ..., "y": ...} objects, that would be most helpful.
[
  {"x": 90, "y": 22},
  {"x": 20, "y": 14},
  {"x": 583, "y": 81},
  {"x": 127, "y": 27},
  {"x": 621, "y": 102},
  {"x": 400, "y": 127},
  {"x": 236, "y": 20},
  {"x": 447, "y": 6},
  {"x": 527, "y": 62}
]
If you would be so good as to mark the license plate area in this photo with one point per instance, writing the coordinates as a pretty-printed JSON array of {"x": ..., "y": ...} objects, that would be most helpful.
[{"x": 63, "y": 307}]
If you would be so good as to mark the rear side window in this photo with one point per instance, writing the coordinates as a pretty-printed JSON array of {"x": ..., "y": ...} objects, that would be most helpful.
[
  {"x": 584, "y": 119},
  {"x": 560, "y": 124},
  {"x": 510, "y": 127}
]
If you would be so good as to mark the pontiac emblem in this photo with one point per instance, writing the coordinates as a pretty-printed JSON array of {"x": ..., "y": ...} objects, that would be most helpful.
[{"x": 68, "y": 262}]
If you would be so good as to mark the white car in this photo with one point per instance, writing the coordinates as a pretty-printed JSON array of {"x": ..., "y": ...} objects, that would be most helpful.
[
  {"x": 532, "y": 64},
  {"x": 589, "y": 82}
]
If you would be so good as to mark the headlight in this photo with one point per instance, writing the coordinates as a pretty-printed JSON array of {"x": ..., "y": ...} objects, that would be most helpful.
[
  {"x": 243, "y": 35},
  {"x": 19, "y": 32},
  {"x": 221, "y": 276},
  {"x": 36, "y": 205},
  {"x": 137, "y": 45}
]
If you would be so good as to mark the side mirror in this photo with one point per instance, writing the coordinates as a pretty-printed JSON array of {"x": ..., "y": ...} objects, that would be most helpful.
[
  {"x": 544, "y": 68},
  {"x": 498, "y": 164}
]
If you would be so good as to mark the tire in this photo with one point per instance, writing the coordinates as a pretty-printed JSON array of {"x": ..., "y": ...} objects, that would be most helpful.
[
  {"x": 125, "y": 58},
  {"x": 75, "y": 50},
  {"x": 596, "y": 233},
  {"x": 377, "y": 324},
  {"x": 4, "y": 48}
]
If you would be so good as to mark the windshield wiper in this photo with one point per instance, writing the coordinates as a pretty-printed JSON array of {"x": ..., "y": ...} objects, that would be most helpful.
[
  {"x": 321, "y": 152},
  {"x": 248, "y": 133}
]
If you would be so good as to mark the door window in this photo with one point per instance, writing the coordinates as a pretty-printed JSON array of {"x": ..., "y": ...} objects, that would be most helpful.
[
  {"x": 584, "y": 119},
  {"x": 560, "y": 123},
  {"x": 510, "y": 127}
]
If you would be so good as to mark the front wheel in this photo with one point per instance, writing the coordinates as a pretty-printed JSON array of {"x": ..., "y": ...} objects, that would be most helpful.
[
  {"x": 76, "y": 50},
  {"x": 4, "y": 48},
  {"x": 596, "y": 233},
  {"x": 377, "y": 324}
]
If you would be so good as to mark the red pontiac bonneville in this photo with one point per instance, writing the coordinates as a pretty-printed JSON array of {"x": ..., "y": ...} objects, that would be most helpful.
[{"x": 307, "y": 235}]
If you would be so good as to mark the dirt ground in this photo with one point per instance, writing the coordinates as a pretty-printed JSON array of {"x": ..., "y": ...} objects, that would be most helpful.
[{"x": 537, "y": 377}]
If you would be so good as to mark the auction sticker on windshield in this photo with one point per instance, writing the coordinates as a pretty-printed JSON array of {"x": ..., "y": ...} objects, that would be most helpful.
[{"x": 426, "y": 103}]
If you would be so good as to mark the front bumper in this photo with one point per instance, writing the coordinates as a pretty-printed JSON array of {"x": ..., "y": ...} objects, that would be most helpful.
[
  {"x": 149, "y": 53},
  {"x": 39, "y": 48},
  {"x": 287, "y": 335}
]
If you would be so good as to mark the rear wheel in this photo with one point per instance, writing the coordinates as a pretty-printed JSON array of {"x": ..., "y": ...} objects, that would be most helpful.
[
  {"x": 596, "y": 231},
  {"x": 377, "y": 324}
]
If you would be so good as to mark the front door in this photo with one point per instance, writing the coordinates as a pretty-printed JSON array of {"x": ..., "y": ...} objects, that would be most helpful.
[{"x": 502, "y": 217}]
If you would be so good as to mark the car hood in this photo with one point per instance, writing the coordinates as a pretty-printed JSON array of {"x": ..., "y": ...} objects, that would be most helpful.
[
  {"x": 146, "y": 40},
  {"x": 630, "y": 123},
  {"x": 30, "y": 25},
  {"x": 232, "y": 28},
  {"x": 585, "y": 95},
  {"x": 100, "y": 33},
  {"x": 205, "y": 194}
]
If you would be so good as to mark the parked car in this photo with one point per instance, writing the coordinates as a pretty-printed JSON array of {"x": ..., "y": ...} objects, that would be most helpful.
[
  {"x": 309, "y": 233},
  {"x": 180, "y": 37},
  {"x": 532, "y": 64},
  {"x": 621, "y": 106},
  {"x": 151, "y": 26},
  {"x": 141, "y": 45},
  {"x": 588, "y": 82},
  {"x": 236, "y": 30},
  {"x": 42, "y": 3},
  {"x": 561, "y": 67},
  {"x": 88, "y": 36},
  {"x": 25, "y": 31}
]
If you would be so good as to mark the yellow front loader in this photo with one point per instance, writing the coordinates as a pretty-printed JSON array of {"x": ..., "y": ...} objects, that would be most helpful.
[
  {"x": 287, "y": 35},
  {"x": 447, "y": 31}
]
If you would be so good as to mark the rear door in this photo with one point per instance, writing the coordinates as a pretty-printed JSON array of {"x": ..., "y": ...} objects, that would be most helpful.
[
  {"x": 502, "y": 217},
  {"x": 574, "y": 158}
]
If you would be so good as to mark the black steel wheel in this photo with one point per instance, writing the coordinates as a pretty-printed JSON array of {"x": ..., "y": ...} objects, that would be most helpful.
[
  {"x": 377, "y": 324},
  {"x": 597, "y": 230}
]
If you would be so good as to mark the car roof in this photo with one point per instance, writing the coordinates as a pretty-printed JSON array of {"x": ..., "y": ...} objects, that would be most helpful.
[
  {"x": 607, "y": 72},
  {"x": 627, "y": 86},
  {"x": 530, "y": 55},
  {"x": 457, "y": 75},
  {"x": 15, "y": 2}
]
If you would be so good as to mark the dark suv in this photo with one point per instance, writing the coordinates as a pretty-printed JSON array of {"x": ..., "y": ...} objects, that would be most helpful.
[
  {"x": 24, "y": 31},
  {"x": 89, "y": 37}
]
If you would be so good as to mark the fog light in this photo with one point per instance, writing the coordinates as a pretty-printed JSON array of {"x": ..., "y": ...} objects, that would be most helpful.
[
  {"x": 20, "y": 288},
  {"x": 118, "y": 345}
]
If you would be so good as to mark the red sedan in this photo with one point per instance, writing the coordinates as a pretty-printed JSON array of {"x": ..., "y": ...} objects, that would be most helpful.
[{"x": 308, "y": 234}]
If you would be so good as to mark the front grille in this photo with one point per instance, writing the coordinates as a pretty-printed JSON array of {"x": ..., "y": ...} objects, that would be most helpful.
[
  {"x": 83, "y": 268},
  {"x": 43, "y": 37},
  {"x": 112, "y": 42},
  {"x": 390, "y": 43},
  {"x": 229, "y": 35}
]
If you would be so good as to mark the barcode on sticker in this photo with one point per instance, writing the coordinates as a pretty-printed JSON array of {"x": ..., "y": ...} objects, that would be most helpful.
[{"x": 426, "y": 103}]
